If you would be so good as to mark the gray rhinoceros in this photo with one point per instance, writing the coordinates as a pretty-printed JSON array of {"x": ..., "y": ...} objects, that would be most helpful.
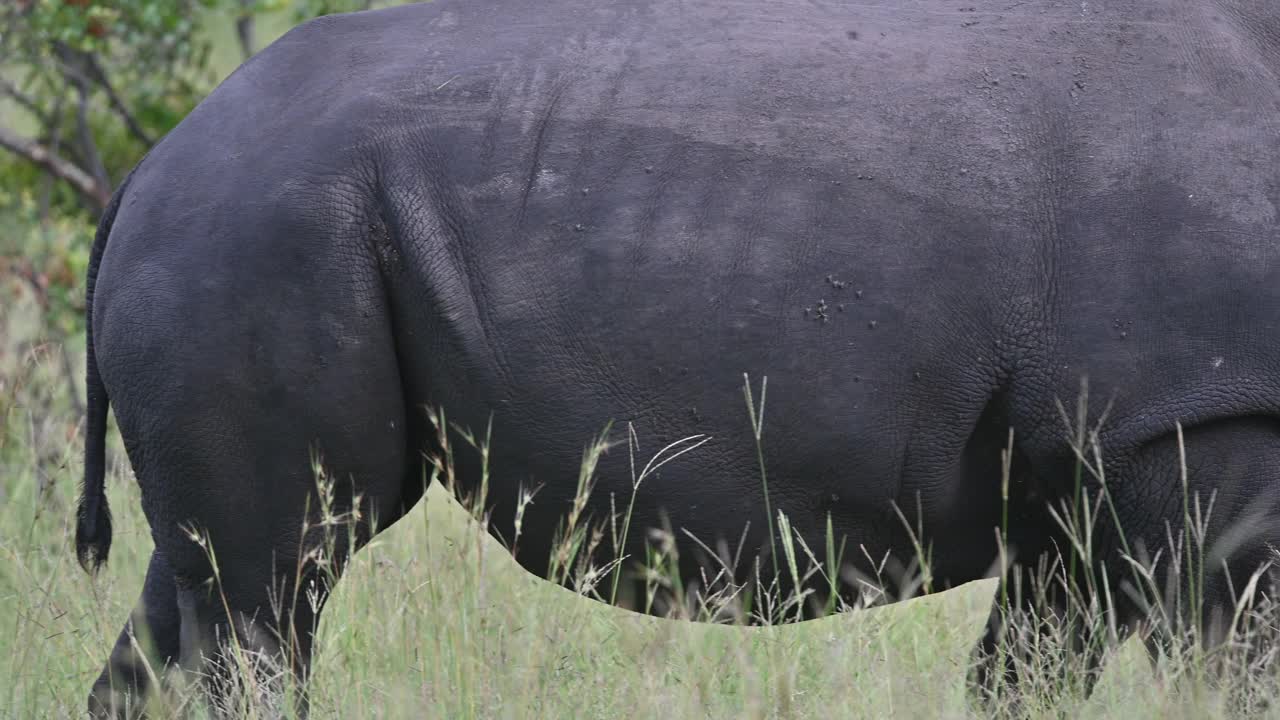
[{"x": 923, "y": 222}]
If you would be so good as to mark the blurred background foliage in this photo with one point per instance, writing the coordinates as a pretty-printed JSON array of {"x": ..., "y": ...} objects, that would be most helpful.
[{"x": 86, "y": 88}]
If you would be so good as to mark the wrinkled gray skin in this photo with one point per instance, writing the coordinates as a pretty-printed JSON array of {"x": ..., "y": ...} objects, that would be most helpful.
[{"x": 559, "y": 214}]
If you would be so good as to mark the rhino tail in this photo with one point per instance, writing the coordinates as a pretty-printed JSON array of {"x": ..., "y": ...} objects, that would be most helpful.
[{"x": 93, "y": 516}]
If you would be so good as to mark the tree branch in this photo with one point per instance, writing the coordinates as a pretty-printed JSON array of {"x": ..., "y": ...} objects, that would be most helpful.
[
  {"x": 81, "y": 181},
  {"x": 73, "y": 66},
  {"x": 46, "y": 190},
  {"x": 26, "y": 101},
  {"x": 244, "y": 29},
  {"x": 99, "y": 76},
  {"x": 87, "y": 144}
]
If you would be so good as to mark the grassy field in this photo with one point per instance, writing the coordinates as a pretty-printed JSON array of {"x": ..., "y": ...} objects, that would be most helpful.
[{"x": 436, "y": 620}]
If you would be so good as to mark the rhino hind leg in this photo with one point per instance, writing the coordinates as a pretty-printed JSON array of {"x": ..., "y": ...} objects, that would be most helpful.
[
  {"x": 251, "y": 653},
  {"x": 244, "y": 646},
  {"x": 248, "y": 616},
  {"x": 145, "y": 649},
  {"x": 267, "y": 445}
]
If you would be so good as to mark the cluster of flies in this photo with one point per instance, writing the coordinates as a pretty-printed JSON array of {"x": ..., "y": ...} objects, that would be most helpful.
[{"x": 819, "y": 312}]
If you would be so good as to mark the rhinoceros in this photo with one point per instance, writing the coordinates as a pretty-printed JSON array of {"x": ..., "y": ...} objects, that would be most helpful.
[{"x": 924, "y": 223}]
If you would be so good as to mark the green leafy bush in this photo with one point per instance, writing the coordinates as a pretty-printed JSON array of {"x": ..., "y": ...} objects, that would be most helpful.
[{"x": 49, "y": 256}]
